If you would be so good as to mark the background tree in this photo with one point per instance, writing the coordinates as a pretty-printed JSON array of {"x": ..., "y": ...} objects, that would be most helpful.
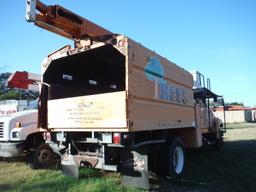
[{"x": 235, "y": 103}]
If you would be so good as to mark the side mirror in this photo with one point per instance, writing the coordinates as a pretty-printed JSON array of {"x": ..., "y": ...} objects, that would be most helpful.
[{"x": 221, "y": 102}]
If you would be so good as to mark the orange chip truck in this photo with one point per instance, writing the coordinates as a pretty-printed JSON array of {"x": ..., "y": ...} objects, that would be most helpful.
[{"x": 110, "y": 103}]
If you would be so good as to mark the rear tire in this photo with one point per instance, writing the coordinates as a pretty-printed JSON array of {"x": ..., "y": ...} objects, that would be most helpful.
[{"x": 176, "y": 158}]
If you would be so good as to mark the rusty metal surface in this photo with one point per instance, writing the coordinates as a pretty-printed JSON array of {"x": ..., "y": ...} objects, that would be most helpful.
[{"x": 64, "y": 22}]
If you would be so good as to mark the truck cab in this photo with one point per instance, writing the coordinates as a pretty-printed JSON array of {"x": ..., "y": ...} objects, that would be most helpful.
[{"x": 16, "y": 131}]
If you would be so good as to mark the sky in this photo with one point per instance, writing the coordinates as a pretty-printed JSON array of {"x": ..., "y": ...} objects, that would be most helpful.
[{"x": 215, "y": 37}]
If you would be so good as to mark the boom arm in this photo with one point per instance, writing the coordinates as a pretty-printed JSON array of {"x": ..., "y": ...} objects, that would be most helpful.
[{"x": 62, "y": 21}]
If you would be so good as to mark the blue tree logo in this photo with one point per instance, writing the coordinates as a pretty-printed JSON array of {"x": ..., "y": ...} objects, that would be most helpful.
[{"x": 154, "y": 70}]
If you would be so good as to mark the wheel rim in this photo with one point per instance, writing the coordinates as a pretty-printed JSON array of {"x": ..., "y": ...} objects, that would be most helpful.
[{"x": 178, "y": 160}]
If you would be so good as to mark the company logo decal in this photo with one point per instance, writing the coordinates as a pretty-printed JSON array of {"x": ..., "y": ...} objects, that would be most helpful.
[{"x": 154, "y": 71}]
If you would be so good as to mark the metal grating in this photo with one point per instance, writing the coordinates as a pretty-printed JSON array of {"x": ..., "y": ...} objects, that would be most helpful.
[{"x": 1, "y": 129}]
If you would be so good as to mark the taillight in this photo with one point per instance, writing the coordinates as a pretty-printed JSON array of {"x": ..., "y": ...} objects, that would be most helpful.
[
  {"x": 47, "y": 136},
  {"x": 116, "y": 138}
]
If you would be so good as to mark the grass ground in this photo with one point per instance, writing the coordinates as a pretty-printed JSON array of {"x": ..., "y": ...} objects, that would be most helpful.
[
  {"x": 233, "y": 168},
  {"x": 240, "y": 125},
  {"x": 16, "y": 176}
]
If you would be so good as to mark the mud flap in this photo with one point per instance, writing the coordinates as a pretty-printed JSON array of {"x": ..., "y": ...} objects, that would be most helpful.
[
  {"x": 69, "y": 167},
  {"x": 134, "y": 170}
]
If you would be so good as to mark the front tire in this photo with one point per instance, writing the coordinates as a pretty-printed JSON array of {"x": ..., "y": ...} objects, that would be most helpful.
[
  {"x": 176, "y": 158},
  {"x": 43, "y": 157}
]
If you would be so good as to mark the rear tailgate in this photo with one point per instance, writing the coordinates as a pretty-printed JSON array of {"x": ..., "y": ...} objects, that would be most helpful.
[{"x": 101, "y": 111}]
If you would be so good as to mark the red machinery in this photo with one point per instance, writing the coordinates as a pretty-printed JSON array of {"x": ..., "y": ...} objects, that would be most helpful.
[{"x": 24, "y": 80}]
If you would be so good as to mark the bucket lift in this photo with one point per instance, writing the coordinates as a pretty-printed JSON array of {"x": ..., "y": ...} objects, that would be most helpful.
[{"x": 24, "y": 80}]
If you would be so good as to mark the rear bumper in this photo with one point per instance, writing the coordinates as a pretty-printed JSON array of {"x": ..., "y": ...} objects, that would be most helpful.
[{"x": 11, "y": 149}]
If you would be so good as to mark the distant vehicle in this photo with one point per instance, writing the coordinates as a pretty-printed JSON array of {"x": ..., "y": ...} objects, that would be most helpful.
[
  {"x": 19, "y": 136},
  {"x": 8, "y": 107}
]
